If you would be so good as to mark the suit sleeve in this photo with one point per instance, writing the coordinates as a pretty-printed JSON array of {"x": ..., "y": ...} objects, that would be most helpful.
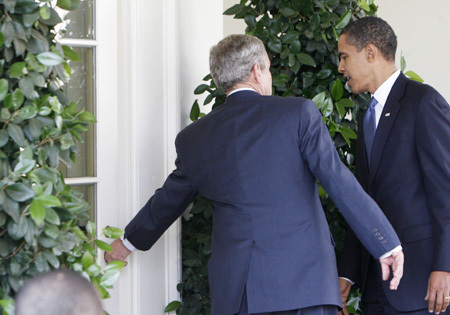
[
  {"x": 163, "y": 208},
  {"x": 359, "y": 210},
  {"x": 432, "y": 134}
]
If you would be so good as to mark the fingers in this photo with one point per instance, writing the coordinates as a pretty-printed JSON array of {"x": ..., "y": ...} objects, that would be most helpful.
[
  {"x": 395, "y": 261},
  {"x": 120, "y": 252},
  {"x": 446, "y": 302},
  {"x": 385, "y": 271},
  {"x": 397, "y": 270},
  {"x": 437, "y": 302}
]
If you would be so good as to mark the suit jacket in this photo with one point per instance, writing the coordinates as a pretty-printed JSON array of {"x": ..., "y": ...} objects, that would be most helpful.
[
  {"x": 409, "y": 178},
  {"x": 257, "y": 159}
]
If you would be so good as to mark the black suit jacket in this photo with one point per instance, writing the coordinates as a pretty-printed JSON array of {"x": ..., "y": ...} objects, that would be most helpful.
[
  {"x": 409, "y": 178},
  {"x": 258, "y": 158}
]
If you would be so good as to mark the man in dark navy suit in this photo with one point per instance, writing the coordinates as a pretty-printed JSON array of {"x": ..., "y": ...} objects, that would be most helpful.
[
  {"x": 257, "y": 158},
  {"x": 403, "y": 162}
]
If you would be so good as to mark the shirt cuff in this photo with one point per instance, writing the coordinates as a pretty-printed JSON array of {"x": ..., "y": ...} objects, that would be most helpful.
[
  {"x": 128, "y": 245},
  {"x": 397, "y": 249},
  {"x": 352, "y": 282}
]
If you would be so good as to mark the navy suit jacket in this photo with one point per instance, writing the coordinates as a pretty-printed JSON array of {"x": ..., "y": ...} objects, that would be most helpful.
[
  {"x": 409, "y": 178},
  {"x": 257, "y": 159}
]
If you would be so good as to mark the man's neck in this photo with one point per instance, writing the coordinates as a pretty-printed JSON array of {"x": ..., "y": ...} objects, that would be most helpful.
[
  {"x": 381, "y": 75},
  {"x": 246, "y": 85}
]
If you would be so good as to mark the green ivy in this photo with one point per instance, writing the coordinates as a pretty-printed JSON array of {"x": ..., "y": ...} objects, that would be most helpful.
[{"x": 41, "y": 216}]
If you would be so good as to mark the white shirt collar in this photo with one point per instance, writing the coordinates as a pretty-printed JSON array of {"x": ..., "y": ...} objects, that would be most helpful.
[
  {"x": 241, "y": 89},
  {"x": 382, "y": 93}
]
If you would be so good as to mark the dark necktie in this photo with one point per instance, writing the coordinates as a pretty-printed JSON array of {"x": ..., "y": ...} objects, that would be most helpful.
[{"x": 370, "y": 126}]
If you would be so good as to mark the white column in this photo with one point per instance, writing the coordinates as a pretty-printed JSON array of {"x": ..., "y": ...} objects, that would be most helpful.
[{"x": 162, "y": 54}]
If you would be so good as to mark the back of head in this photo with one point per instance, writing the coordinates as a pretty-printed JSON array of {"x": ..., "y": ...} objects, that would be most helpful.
[
  {"x": 58, "y": 292},
  {"x": 372, "y": 30},
  {"x": 232, "y": 59}
]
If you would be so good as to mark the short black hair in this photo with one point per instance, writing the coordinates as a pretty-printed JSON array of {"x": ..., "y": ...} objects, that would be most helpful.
[{"x": 372, "y": 30}]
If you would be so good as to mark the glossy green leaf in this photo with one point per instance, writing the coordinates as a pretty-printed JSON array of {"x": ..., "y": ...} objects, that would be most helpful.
[
  {"x": 2, "y": 39},
  {"x": 323, "y": 74},
  {"x": 19, "y": 192},
  {"x": 4, "y": 137},
  {"x": 195, "y": 111},
  {"x": 274, "y": 44},
  {"x": 306, "y": 59},
  {"x": 88, "y": 117},
  {"x": 16, "y": 133},
  {"x": 50, "y": 59},
  {"x": 202, "y": 88},
  {"x": 172, "y": 306},
  {"x": 3, "y": 88},
  {"x": 18, "y": 69},
  {"x": 402, "y": 63},
  {"x": 11, "y": 207},
  {"x": 51, "y": 230},
  {"x": 14, "y": 100},
  {"x": 344, "y": 20},
  {"x": 288, "y": 12},
  {"x": 52, "y": 217},
  {"x": 363, "y": 4},
  {"x": 237, "y": 8},
  {"x": 337, "y": 90},
  {"x": 109, "y": 278},
  {"x": 52, "y": 259},
  {"x": 115, "y": 265},
  {"x": 44, "y": 12},
  {"x": 7, "y": 306},
  {"x": 348, "y": 132},
  {"x": 27, "y": 112},
  {"x": 103, "y": 246},
  {"x": 24, "y": 166},
  {"x": 112, "y": 232},
  {"x": 49, "y": 200},
  {"x": 291, "y": 36},
  {"x": 319, "y": 99},
  {"x": 70, "y": 54},
  {"x": 295, "y": 47},
  {"x": 87, "y": 260},
  {"x": 67, "y": 141},
  {"x": 413, "y": 76},
  {"x": 26, "y": 85},
  {"x": 91, "y": 228},
  {"x": 5, "y": 114},
  {"x": 37, "y": 211},
  {"x": 25, "y": 6},
  {"x": 327, "y": 108},
  {"x": 18, "y": 229}
]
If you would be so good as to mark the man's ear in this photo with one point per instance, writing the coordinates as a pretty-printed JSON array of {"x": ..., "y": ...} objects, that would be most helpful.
[
  {"x": 372, "y": 53},
  {"x": 256, "y": 72}
]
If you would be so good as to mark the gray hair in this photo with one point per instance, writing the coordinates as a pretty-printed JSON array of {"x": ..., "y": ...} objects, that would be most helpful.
[
  {"x": 232, "y": 59},
  {"x": 58, "y": 292}
]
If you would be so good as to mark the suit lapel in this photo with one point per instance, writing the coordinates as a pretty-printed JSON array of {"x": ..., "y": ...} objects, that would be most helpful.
[{"x": 387, "y": 119}]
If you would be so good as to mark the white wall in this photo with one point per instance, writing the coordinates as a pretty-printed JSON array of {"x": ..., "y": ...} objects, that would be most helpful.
[
  {"x": 422, "y": 28},
  {"x": 422, "y": 31}
]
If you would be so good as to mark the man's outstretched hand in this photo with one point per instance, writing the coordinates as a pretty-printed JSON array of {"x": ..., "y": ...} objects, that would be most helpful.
[
  {"x": 120, "y": 252},
  {"x": 395, "y": 261}
]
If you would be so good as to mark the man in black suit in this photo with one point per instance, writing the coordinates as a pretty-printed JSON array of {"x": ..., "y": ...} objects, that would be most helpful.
[
  {"x": 403, "y": 162},
  {"x": 257, "y": 158}
]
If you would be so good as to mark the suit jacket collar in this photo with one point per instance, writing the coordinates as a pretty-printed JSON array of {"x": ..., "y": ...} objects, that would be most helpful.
[{"x": 387, "y": 119}]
